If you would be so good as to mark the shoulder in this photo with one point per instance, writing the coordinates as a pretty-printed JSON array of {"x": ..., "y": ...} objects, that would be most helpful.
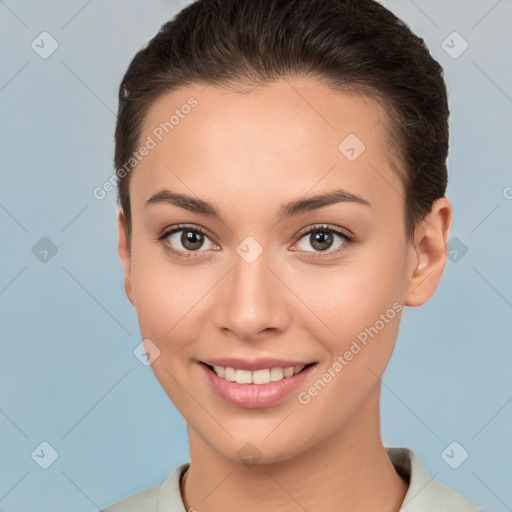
[
  {"x": 425, "y": 494},
  {"x": 152, "y": 499},
  {"x": 145, "y": 500}
]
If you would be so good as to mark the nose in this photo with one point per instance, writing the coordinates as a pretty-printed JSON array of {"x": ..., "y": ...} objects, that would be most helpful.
[{"x": 252, "y": 301}]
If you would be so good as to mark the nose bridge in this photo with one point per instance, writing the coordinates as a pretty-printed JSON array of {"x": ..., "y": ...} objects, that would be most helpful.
[{"x": 252, "y": 299}]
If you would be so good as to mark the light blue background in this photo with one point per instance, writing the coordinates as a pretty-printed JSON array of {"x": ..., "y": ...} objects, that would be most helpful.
[{"x": 69, "y": 376}]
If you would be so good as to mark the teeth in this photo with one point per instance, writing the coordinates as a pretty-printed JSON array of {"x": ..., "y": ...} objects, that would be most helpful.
[
  {"x": 276, "y": 374},
  {"x": 258, "y": 376},
  {"x": 243, "y": 376},
  {"x": 229, "y": 374},
  {"x": 219, "y": 371},
  {"x": 288, "y": 372}
]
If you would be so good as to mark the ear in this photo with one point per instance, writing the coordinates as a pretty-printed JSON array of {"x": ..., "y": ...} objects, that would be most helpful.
[
  {"x": 428, "y": 253},
  {"x": 124, "y": 253}
]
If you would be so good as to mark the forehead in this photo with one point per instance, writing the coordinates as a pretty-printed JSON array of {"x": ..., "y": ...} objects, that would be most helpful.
[{"x": 290, "y": 135}]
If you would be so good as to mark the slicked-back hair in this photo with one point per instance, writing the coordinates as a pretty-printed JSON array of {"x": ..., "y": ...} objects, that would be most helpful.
[{"x": 355, "y": 46}]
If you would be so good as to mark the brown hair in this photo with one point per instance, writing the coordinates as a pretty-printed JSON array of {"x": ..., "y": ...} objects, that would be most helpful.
[{"x": 351, "y": 45}]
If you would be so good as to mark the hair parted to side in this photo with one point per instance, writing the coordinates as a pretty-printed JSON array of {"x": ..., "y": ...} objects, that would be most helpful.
[{"x": 353, "y": 46}]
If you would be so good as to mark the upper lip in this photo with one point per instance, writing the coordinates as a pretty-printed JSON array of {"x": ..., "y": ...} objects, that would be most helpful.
[{"x": 254, "y": 364}]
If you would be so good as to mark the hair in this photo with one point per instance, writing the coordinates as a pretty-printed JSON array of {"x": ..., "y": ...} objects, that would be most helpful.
[{"x": 354, "y": 46}]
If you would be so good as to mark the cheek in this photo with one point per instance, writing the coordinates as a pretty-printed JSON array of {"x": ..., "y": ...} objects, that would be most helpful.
[
  {"x": 360, "y": 310},
  {"x": 359, "y": 304},
  {"x": 160, "y": 298},
  {"x": 354, "y": 294},
  {"x": 169, "y": 297}
]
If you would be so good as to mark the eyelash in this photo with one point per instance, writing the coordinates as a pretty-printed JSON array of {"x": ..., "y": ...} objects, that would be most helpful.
[{"x": 347, "y": 240}]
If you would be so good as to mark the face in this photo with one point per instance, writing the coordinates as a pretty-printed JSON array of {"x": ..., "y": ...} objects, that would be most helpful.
[{"x": 273, "y": 279}]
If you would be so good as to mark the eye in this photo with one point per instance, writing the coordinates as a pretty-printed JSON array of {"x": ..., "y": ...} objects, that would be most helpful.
[
  {"x": 322, "y": 238},
  {"x": 184, "y": 241}
]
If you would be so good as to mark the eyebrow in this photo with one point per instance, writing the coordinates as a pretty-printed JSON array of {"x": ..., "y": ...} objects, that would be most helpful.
[{"x": 290, "y": 209}]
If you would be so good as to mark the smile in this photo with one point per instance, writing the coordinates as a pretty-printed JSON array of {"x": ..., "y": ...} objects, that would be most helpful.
[
  {"x": 263, "y": 376},
  {"x": 262, "y": 387}
]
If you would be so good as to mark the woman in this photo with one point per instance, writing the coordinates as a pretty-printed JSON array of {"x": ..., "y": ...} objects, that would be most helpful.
[{"x": 282, "y": 177}]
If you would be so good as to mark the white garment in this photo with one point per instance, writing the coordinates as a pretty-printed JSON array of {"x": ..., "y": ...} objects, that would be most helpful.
[{"x": 423, "y": 495}]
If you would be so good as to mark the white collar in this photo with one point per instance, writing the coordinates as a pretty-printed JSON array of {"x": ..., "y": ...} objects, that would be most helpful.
[{"x": 425, "y": 494}]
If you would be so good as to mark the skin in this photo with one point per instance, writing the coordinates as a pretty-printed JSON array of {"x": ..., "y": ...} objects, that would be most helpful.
[{"x": 249, "y": 154}]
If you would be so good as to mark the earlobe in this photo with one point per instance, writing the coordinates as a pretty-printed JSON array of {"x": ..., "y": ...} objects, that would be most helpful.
[
  {"x": 428, "y": 253},
  {"x": 124, "y": 254}
]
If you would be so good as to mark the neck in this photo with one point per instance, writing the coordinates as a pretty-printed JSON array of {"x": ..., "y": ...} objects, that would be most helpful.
[{"x": 350, "y": 470}]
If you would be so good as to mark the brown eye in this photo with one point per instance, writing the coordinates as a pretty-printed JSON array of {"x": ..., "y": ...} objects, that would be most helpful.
[
  {"x": 186, "y": 240},
  {"x": 191, "y": 240},
  {"x": 323, "y": 238}
]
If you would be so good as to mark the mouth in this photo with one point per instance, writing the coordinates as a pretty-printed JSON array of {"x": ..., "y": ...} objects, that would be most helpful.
[
  {"x": 257, "y": 377},
  {"x": 254, "y": 389}
]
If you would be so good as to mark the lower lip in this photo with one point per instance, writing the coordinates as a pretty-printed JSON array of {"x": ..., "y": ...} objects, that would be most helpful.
[{"x": 254, "y": 396}]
